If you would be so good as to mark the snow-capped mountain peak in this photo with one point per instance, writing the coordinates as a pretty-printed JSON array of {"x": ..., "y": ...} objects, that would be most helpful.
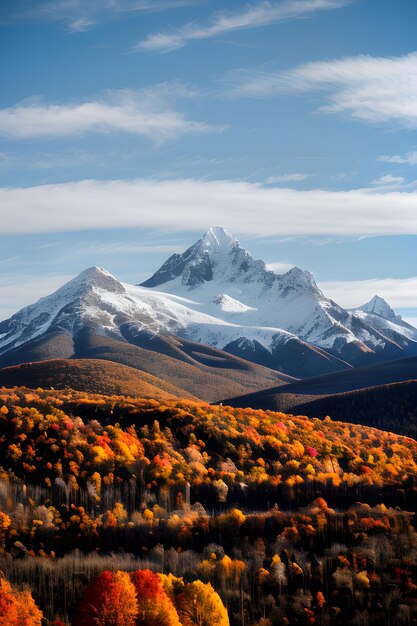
[
  {"x": 379, "y": 306},
  {"x": 92, "y": 296},
  {"x": 218, "y": 238},
  {"x": 95, "y": 277},
  {"x": 217, "y": 256},
  {"x": 217, "y": 294},
  {"x": 297, "y": 278},
  {"x": 222, "y": 278}
]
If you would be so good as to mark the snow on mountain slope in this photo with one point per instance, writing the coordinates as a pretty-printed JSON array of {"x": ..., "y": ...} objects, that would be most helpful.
[
  {"x": 230, "y": 305},
  {"x": 216, "y": 294},
  {"x": 217, "y": 270},
  {"x": 379, "y": 306},
  {"x": 96, "y": 299},
  {"x": 379, "y": 315},
  {"x": 97, "y": 302}
]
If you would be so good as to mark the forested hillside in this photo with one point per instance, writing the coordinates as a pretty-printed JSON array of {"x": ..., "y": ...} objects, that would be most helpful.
[{"x": 262, "y": 506}]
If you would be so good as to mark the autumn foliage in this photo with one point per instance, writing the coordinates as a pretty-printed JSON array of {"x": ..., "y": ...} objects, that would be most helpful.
[
  {"x": 79, "y": 439},
  {"x": 17, "y": 608},
  {"x": 120, "y": 599},
  {"x": 260, "y": 518},
  {"x": 109, "y": 600}
]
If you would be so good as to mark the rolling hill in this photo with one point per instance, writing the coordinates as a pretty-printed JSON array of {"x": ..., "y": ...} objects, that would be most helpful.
[
  {"x": 92, "y": 376},
  {"x": 202, "y": 371},
  {"x": 390, "y": 407},
  {"x": 301, "y": 393}
]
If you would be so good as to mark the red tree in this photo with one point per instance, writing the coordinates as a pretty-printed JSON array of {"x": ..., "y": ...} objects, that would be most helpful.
[{"x": 109, "y": 600}]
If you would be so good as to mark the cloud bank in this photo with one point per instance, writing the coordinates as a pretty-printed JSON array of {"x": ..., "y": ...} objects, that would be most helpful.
[{"x": 193, "y": 204}]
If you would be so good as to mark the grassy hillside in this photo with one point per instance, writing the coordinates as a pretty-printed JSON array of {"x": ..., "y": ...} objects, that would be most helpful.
[
  {"x": 91, "y": 376},
  {"x": 200, "y": 370}
]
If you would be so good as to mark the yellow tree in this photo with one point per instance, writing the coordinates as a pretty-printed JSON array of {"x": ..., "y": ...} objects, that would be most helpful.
[{"x": 200, "y": 605}]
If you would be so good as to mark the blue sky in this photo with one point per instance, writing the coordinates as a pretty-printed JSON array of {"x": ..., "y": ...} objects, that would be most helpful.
[{"x": 129, "y": 127}]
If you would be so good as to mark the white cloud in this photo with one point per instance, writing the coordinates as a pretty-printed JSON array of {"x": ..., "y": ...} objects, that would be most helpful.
[
  {"x": 81, "y": 24},
  {"x": 249, "y": 16},
  {"x": 398, "y": 292},
  {"x": 147, "y": 112},
  {"x": 285, "y": 178},
  {"x": 370, "y": 89},
  {"x": 410, "y": 158},
  {"x": 388, "y": 179},
  {"x": 193, "y": 204}
]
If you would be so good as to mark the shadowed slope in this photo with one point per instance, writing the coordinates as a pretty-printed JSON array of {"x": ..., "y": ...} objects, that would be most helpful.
[
  {"x": 203, "y": 371},
  {"x": 388, "y": 407},
  {"x": 300, "y": 392}
]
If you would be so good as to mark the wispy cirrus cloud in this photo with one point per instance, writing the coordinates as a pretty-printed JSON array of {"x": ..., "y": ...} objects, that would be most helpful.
[
  {"x": 148, "y": 112},
  {"x": 410, "y": 158},
  {"x": 78, "y": 15},
  {"x": 194, "y": 205},
  {"x": 365, "y": 88},
  {"x": 248, "y": 16},
  {"x": 129, "y": 248}
]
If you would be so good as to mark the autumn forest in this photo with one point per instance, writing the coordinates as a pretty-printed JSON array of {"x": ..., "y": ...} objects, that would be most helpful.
[{"x": 122, "y": 511}]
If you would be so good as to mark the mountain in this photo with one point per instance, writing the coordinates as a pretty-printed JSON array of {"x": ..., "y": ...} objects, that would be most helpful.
[
  {"x": 218, "y": 257},
  {"x": 213, "y": 321},
  {"x": 225, "y": 281},
  {"x": 95, "y": 307},
  {"x": 391, "y": 407},
  {"x": 379, "y": 306},
  {"x": 96, "y": 316},
  {"x": 379, "y": 315}
]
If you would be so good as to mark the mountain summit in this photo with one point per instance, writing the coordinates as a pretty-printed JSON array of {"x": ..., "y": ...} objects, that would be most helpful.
[
  {"x": 216, "y": 256},
  {"x": 379, "y": 306},
  {"x": 225, "y": 280}
]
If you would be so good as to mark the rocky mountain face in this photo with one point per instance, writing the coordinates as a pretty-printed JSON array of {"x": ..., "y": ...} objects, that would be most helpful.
[
  {"x": 227, "y": 281},
  {"x": 379, "y": 306}
]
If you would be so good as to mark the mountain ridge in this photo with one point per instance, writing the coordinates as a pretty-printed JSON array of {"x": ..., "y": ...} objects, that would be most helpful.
[
  {"x": 214, "y": 294},
  {"x": 290, "y": 302}
]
